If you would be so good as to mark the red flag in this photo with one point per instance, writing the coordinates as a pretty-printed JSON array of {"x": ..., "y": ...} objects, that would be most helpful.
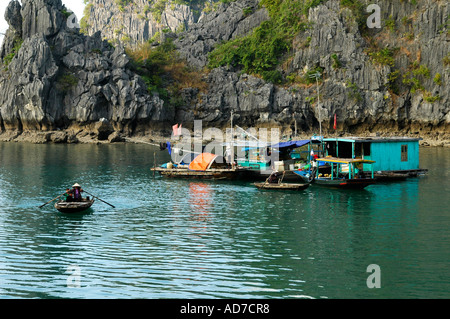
[
  {"x": 175, "y": 129},
  {"x": 334, "y": 126}
]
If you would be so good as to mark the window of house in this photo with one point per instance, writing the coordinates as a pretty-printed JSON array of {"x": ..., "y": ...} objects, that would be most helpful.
[
  {"x": 404, "y": 153},
  {"x": 366, "y": 149}
]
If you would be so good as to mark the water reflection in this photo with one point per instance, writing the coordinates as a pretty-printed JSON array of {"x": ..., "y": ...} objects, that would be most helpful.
[
  {"x": 212, "y": 239},
  {"x": 200, "y": 200}
]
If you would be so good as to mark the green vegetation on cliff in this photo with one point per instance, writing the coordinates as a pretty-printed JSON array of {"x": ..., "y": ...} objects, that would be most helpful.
[
  {"x": 17, "y": 45},
  {"x": 271, "y": 50},
  {"x": 358, "y": 9},
  {"x": 163, "y": 71},
  {"x": 121, "y": 4},
  {"x": 86, "y": 15},
  {"x": 261, "y": 51}
]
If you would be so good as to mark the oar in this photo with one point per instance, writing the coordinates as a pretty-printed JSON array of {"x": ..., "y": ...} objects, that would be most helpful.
[
  {"x": 101, "y": 200},
  {"x": 50, "y": 201},
  {"x": 281, "y": 179}
]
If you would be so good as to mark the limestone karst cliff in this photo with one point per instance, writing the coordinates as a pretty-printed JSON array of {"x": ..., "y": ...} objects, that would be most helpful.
[
  {"x": 54, "y": 78},
  {"x": 389, "y": 79},
  {"x": 393, "y": 79},
  {"x": 131, "y": 22}
]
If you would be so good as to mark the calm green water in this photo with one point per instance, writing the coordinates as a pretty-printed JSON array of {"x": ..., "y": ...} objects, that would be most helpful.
[{"x": 190, "y": 239}]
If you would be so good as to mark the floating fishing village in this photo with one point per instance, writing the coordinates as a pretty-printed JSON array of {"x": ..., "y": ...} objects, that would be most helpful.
[
  {"x": 343, "y": 163},
  {"x": 351, "y": 162},
  {"x": 224, "y": 149}
]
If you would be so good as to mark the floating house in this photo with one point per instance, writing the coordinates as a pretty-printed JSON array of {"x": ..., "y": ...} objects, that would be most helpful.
[
  {"x": 391, "y": 155},
  {"x": 258, "y": 159}
]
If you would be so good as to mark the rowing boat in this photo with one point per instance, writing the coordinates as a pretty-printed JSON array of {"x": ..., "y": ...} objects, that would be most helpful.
[{"x": 74, "y": 207}]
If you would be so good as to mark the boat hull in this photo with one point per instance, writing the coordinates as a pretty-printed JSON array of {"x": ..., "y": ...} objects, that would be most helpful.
[
  {"x": 257, "y": 175},
  {"x": 73, "y": 207},
  {"x": 345, "y": 183},
  {"x": 355, "y": 183},
  {"x": 387, "y": 176},
  {"x": 282, "y": 186}
]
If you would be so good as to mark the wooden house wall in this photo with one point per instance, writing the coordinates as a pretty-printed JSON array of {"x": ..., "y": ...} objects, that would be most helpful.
[{"x": 387, "y": 156}]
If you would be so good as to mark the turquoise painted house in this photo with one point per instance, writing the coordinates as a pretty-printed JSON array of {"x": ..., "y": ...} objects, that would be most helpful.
[{"x": 399, "y": 154}]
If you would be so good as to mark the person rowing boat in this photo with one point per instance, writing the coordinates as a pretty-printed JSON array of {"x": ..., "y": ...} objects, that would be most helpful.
[
  {"x": 273, "y": 178},
  {"x": 71, "y": 201},
  {"x": 76, "y": 192}
]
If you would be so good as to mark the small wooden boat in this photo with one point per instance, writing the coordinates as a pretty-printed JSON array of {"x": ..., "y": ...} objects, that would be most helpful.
[
  {"x": 282, "y": 186},
  {"x": 276, "y": 183},
  {"x": 74, "y": 207}
]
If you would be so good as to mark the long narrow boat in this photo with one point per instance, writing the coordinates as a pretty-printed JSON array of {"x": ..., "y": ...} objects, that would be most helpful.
[
  {"x": 74, "y": 207},
  {"x": 345, "y": 183},
  {"x": 282, "y": 186}
]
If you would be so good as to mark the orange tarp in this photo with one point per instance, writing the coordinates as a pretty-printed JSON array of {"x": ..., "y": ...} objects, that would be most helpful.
[{"x": 202, "y": 162}]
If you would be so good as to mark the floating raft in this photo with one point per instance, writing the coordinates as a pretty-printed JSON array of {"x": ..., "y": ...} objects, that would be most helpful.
[
  {"x": 204, "y": 166},
  {"x": 210, "y": 173},
  {"x": 206, "y": 174}
]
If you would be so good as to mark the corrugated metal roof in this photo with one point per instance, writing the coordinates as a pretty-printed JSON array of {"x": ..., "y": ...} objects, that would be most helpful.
[{"x": 372, "y": 139}]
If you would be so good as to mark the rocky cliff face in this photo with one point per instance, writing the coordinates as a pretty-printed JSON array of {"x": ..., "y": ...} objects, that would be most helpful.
[
  {"x": 391, "y": 80},
  {"x": 132, "y": 22},
  {"x": 54, "y": 79},
  {"x": 225, "y": 22}
]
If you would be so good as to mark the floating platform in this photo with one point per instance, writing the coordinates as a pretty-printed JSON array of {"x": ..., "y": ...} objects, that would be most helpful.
[{"x": 213, "y": 173}]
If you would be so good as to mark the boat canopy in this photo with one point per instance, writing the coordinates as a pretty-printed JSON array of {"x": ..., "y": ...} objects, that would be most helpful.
[
  {"x": 204, "y": 161},
  {"x": 290, "y": 144},
  {"x": 343, "y": 160},
  {"x": 345, "y": 165},
  {"x": 281, "y": 145}
]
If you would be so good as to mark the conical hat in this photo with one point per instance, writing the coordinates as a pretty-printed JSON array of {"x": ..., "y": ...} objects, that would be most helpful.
[{"x": 76, "y": 185}]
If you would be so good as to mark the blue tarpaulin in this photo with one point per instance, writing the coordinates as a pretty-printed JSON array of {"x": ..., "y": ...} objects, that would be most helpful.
[
  {"x": 290, "y": 144},
  {"x": 281, "y": 145}
]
